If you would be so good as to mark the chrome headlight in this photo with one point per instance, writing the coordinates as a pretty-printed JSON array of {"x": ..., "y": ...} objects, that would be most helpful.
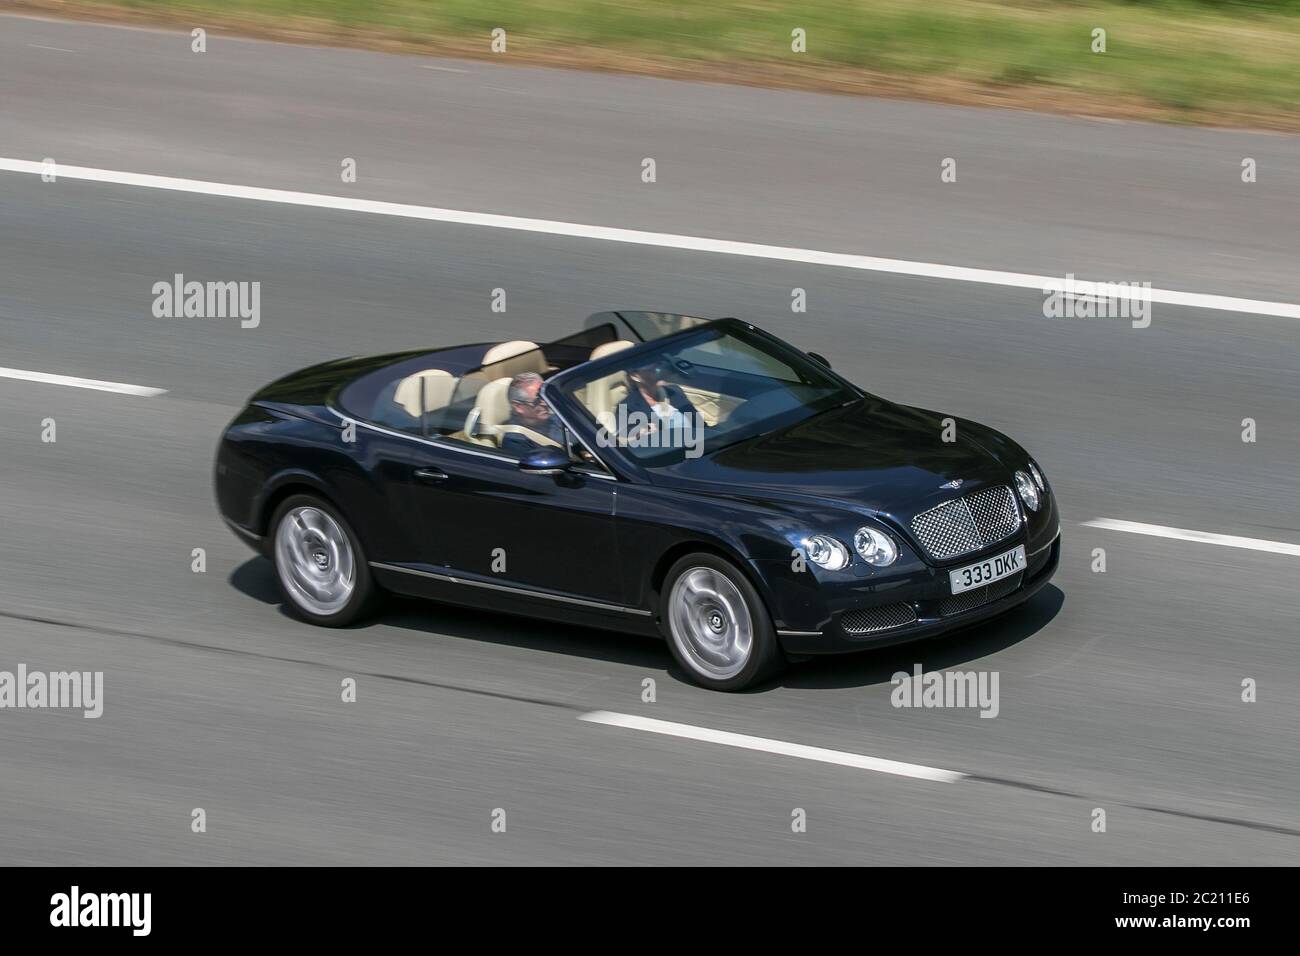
[
  {"x": 1028, "y": 490},
  {"x": 1038, "y": 476},
  {"x": 876, "y": 547},
  {"x": 825, "y": 552}
]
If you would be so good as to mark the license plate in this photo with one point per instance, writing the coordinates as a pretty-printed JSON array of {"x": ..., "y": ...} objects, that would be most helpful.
[{"x": 987, "y": 571}]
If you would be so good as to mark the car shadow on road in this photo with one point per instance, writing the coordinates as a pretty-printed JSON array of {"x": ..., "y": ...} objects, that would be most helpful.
[
  {"x": 940, "y": 653},
  {"x": 256, "y": 579}
]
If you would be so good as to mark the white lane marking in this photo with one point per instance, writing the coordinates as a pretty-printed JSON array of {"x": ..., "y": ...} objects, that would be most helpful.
[
  {"x": 1203, "y": 537},
  {"x": 56, "y": 49},
  {"x": 48, "y": 379},
  {"x": 781, "y": 747},
  {"x": 926, "y": 270},
  {"x": 134, "y": 28}
]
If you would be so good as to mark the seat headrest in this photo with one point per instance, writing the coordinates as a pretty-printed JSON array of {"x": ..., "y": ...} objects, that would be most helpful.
[
  {"x": 504, "y": 350},
  {"x": 491, "y": 406},
  {"x": 438, "y": 386},
  {"x": 609, "y": 348}
]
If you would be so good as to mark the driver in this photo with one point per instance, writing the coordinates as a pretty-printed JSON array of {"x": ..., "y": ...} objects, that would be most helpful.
[
  {"x": 529, "y": 410},
  {"x": 652, "y": 402}
]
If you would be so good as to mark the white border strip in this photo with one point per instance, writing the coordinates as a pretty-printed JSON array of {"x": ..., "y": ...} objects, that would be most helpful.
[
  {"x": 781, "y": 747},
  {"x": 927, "y": 270},
  {"x": 1201, "y": 537},
  {"x": 47, "y": 378}
]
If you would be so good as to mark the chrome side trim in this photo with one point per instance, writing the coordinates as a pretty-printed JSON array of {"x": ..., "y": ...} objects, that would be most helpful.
[
  {"x": 526, "y": 592},
  {"x": 435, "y": 442},
  {"x": 782, "y": 633},
  {"x": 242, "y": 532},
  {"x": 1046, "y": 546},
  {"x": 454, "y": 446}
]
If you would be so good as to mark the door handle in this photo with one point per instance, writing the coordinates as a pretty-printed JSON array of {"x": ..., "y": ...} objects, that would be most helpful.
[{"x": 430, "y": 474}]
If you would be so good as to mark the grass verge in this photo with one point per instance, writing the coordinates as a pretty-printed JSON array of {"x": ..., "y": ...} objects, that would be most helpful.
[{"x": 1233, "y": 62}]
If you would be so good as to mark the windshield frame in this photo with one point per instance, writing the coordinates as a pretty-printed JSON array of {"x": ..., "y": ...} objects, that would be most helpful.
[{"x": 559, "y": 388}]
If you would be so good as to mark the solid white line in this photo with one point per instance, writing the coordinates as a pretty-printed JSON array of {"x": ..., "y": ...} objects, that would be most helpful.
[
  {"x": 927, "y": 270},
  {"x": 48, "y": 379},
  {"x": 781, "y": 747},
  {"x": 1203, "y": 537}
]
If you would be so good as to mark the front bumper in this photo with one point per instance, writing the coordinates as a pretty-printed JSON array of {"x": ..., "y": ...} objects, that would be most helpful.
[{"x": 928, "y": 614}]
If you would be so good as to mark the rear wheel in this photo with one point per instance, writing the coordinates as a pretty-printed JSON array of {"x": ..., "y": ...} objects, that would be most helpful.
[
  {"x": 319, "y": 563},
  {"x": 716, "y": 624}
]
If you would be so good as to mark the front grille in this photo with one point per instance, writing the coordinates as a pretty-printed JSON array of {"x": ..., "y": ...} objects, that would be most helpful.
[
  {"x": 967, "y": 524},
  {"x": 878, "y": 618},
  {"x": 977, "y": 597}
]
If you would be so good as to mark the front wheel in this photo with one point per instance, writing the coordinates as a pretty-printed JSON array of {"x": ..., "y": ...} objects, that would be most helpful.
[
  {"x": 319, "y": 563},
  {"x": 717, "y": 625}
]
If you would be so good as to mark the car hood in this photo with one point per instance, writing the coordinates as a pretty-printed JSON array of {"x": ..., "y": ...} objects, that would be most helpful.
[{"x": 872, "y": 454}]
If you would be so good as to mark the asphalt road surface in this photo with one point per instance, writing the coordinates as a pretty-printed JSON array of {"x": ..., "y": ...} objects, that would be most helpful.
[{"x": 1119, "y": 690}]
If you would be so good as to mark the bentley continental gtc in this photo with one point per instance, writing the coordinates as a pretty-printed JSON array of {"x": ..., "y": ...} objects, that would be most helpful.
[{"x": 658, "y": 474}]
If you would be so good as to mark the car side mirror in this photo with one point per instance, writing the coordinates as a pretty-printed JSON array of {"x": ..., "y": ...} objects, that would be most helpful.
[
  {"x": 818, "y": 357},
  {"x": 545, "y": 461}
]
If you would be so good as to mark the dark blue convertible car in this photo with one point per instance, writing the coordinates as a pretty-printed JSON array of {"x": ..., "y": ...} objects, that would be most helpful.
[{"x": 654, "y": 473}]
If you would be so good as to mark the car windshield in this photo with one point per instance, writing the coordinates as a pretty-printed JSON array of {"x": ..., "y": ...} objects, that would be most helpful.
[{"x": 700, "y": 393}]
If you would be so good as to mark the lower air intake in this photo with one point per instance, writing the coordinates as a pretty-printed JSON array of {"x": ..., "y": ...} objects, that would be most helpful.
[
  {"x": 977, "y": 597},
  {"x": 878, "y": 618}
]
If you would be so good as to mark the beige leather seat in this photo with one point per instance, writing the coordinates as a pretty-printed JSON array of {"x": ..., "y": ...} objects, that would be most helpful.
[
  {"x": 603, "y": 395},
  {"x": 609, "y": 348},
  {"x": 491, "y": 409},
  {"x": 511, "y": 358},
  {"x": 503, "y": 359},
  {"x": 504, "y": 350},
  {"x": 438, "y": 387},
  {"x": 489, "y": 419}
]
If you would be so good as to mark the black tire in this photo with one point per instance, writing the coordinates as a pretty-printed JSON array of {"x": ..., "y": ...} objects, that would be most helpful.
[
  {"x": 677, "y": 612},
  {"x": 364, "y": 593}
]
